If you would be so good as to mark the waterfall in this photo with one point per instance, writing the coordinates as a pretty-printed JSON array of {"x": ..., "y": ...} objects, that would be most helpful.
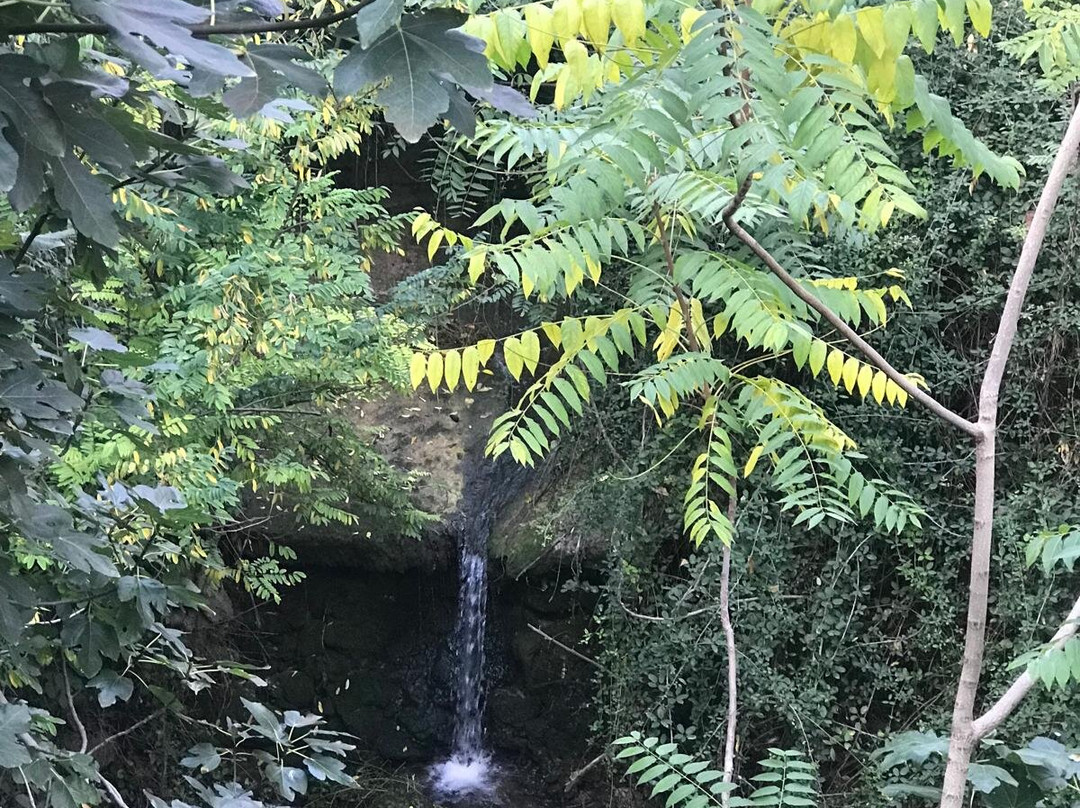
[
  {"x": 468, "y": 771},
  {"x": 472, "y": 618},
  {"x": 469, "y": 768}
]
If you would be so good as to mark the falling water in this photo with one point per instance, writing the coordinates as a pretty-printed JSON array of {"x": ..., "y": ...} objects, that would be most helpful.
[
  {"x": 472, "y": 617},
  {"x": 469, "y": 769}
]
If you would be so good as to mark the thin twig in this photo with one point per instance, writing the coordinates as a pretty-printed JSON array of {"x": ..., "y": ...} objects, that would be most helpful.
[
  {"x": 83, "y": 741},
  {"x": 565, "y": 647},
  {"x": 845, "y": 330},
  {"x": 576, "y": 776},
  {"x": 669, "y": 260},
  {"x": 262, "y": 27},
  {"x": 118, "y": 735},
  {"x": 112, "y": 791},
  {"x": 35, "y": 231}
]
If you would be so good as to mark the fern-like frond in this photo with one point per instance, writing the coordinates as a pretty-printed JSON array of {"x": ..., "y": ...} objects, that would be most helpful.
[
  {"x": 681, "y": 780},
  {"x": 809, "y": 463}
]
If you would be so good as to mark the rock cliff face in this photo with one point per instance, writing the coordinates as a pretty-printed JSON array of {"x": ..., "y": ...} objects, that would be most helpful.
[{"x": 366, "y": 639}]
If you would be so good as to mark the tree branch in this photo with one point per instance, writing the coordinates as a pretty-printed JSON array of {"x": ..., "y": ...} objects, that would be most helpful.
[
  {"x": 112, "y": 791},
  {"x": 83, "y": 741},
  {"x": 565, "y": 647},
  {"x": 35, "y": 231},
  {"x": 118, "y": 735},
  {"x": 845, "y": 330},
  {"x": 261, "y": 27},
  {"x": 576, "y": 776},
  {"x": 1010, "y": 700}
]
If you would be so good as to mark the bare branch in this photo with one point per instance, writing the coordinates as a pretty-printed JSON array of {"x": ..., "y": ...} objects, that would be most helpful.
[
  {"x": 83, "y": 742},
  {"x": 262, "y": 27},
  {"x": 576, "y": 776},
  {"x": 112, "y": 791},
  {"x": 565, "y": 647},
  {"x": 845, "y": 330},
  {"x": 1003, "y": 707},
  {"x": 118, "y": 735}
]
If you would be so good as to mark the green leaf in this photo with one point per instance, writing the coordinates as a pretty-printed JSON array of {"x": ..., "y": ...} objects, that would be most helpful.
[
  {"x": 14, "y": 721},
  {"x": 275, "y": 70},
  {"x": 375, "y": 19},
  {"x": 86, "y": 200},
  {"x": 111, "y": 686},
  {"x": 166, "y": 24},
  {"x": 202, "y": 756},
  {"x": 415, "y": 57},
  {"x": 323, "y": 767},
  {"x": 912, "y": 747}
]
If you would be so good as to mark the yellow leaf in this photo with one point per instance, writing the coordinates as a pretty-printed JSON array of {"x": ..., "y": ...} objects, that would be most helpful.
[
  {"x": 887, "y": 212},
  {"x": 851, "y": 373},
  {"x": 593, "y": 269},
  {"x": 419, "y": 223},
  {"x": 541, "y": 31},
  {"x": 865, "y": 379},
  {"x": 687, "y": 20},
  {"x": 484, "y": 349},
  {"x": 698, "y": 325},
  {"x": 844, "y": 40},
  {"x": 433, "y": 245},
  {"x": 527, "y": 284},
  {"x": 476, "y": 265},
  {"x": 562, "y": 88},
  {"x": 872, "y": 27},
  {"x": 566, "y": 20},
  {"x": 878, "y": 388},
  {"x": 818, "y": 351},
  {"x": 417, "y": 369},
  {"x": 719, "y": 324},
  {"x": 452, "y": 369},
  {"x": 515, "y": 362},
  {"x": 901, "y": 396},
  {"x": 980, "y": 12},
  {"x": 836, "y": 366},
  {"x": 751, "y": 461},
  {"x": 530, "y": 350},
  {"x": 574, "y": 276},
  {"x": 629, "y": 18},
  {"x": 434, "y": 370},
  {"x": 553, "y": 333},
  {"x": 470, "y": 367},
  {"x": 596, "y": 21},
  {"x": 891, "y": 389}
]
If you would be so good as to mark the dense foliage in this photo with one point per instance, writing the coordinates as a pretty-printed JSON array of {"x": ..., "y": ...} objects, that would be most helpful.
[{"x": 695, "y": 224}]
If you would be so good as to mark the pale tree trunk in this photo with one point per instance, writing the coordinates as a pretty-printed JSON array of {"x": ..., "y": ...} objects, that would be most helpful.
[
  {"x": 962, "y": 738},
  {"x": 732, "y": 660}
]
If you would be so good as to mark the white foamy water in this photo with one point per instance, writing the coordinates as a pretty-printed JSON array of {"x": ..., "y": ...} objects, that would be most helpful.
[{"x": 460, "y": 776}]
